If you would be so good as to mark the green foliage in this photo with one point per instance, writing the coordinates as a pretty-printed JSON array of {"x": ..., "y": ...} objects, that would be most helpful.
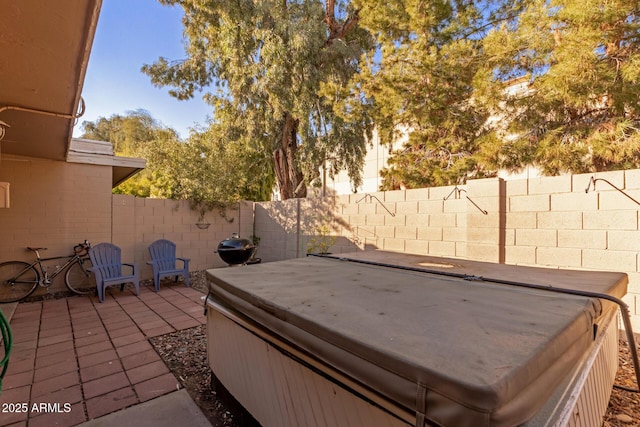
[
  {"x": 132, "y": 135},
  {"x": 582, "y": 110},
  {"x": 321, "y": 238},
  {"x": 212, "y": 169},
  {"x": 487, "y": 85},
  {"x": 139, "y": 185},
  {"x": 476, "y": 86},
  {"x": 129, "y": 134},
  {"x": 422, "y": 83},
  {"x": 282, "y": 67}
]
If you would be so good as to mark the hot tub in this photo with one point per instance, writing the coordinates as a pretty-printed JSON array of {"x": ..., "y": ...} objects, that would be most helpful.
[{"x": 322, "y": 341}]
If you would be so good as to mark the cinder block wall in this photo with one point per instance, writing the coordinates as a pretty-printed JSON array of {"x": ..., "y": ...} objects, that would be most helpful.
[
  {"x": 553, "y": 222},
  {"x": 275, "y": 223},
  {"x": 546, "y": 222},
  {"x": 54, "y": 205},
  {"x": 550, "y": 221},
  {"x": 418, "y": 221},
  {"x": 137, "y": 222}
]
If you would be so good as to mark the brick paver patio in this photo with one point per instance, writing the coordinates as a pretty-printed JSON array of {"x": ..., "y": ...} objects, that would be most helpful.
[{"x": 75, "y": 359}]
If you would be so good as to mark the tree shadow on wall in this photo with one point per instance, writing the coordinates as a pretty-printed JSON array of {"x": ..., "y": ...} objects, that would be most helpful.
[{"x": 294, "y": 227}]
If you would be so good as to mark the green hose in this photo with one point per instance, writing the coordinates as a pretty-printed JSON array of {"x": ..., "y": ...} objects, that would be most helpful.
[{"x": 7, "y": 339}]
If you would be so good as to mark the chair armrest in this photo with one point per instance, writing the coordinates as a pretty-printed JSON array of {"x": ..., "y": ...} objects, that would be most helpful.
[
  {"x": 185, "y": 261},
  {"x": 134, "y": 267}
]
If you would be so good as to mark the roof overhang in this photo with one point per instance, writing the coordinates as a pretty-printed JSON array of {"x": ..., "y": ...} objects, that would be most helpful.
[
  {"x": 45, "y": 49},
  {"x": 91, "y": 152}
]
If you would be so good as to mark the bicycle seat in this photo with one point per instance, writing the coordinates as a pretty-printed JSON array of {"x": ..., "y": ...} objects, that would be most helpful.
[{"x": 36, "y": 249}]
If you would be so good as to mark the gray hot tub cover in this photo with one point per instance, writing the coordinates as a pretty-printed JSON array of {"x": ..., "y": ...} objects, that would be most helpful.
[{"x": 462, "y": 353}]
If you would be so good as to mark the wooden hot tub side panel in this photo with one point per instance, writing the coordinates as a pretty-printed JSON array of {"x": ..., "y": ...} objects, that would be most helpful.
[
  {"x": 276, "y": 389},
  {"x": 596, "y": 380}
]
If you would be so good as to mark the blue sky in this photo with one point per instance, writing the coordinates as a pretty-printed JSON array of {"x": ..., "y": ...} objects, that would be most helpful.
[{"x": 132, "y": 33}]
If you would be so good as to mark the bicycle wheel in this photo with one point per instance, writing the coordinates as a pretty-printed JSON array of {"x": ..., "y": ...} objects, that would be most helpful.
[
  {"x": 17, "y": 280},
  {"x": 79, "y": 278}
]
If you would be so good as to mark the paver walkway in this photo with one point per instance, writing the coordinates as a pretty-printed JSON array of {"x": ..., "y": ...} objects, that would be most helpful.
[{"x": 75, "y": 359}]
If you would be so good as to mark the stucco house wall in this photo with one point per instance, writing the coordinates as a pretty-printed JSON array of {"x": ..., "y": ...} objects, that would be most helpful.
[{"x": 55, "y": 205}]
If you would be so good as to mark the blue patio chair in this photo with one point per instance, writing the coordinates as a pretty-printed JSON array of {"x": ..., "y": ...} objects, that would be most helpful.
[
  {"x": 163, "y": 262},
  {"x": 107, "y": 268}
]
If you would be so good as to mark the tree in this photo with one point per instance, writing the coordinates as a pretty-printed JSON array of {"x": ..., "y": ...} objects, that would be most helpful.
[
  {"x": 282, "y": 67},
  {"x": 485, "y": 85},
  {"x": 132, "y": 135},
  {"x": 581, "y": 109},
  {"x": 422, "y": 81},
  {"x": 213, "y": 168}
]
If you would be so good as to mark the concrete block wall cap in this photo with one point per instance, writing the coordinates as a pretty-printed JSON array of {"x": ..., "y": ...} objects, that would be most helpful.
[{"x": 550, "y": 184}]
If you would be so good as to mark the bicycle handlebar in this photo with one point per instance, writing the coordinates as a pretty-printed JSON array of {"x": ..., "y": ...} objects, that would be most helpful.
[{"x": 82, "y": 248}]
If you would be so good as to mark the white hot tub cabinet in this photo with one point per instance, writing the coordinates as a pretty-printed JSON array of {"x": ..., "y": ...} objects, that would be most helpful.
[{"x": 326, "y": 342}]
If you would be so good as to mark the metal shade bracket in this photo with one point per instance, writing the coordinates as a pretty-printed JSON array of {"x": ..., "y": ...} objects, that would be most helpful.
[
  {"x": 371, "y": 196},
  {"x": 456, "y": 193},
  {"x": 593, "y": 181}
]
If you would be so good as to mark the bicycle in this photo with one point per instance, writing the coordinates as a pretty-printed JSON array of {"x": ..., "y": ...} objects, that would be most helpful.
[{"x": 18, "y": 279}]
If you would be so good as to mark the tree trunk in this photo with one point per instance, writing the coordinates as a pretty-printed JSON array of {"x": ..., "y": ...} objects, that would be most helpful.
[{"x": 290, "y": 177}]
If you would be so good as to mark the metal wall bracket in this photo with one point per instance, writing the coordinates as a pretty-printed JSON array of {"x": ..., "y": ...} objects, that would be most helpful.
[
  {"x": 371, "y": 196},
  {"x": 456, "y": 193},
  {"x": 593, "y": 181}
]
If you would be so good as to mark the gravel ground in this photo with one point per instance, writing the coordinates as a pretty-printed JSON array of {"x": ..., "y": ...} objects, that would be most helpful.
[{"x": 185, "y": 354}]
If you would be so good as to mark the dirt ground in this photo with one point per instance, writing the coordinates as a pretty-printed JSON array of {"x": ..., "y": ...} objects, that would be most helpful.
[{"x": 624, "y": 406}]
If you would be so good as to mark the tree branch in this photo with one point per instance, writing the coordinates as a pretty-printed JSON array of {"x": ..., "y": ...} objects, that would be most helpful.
[{"x": 337, "y": 30}]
